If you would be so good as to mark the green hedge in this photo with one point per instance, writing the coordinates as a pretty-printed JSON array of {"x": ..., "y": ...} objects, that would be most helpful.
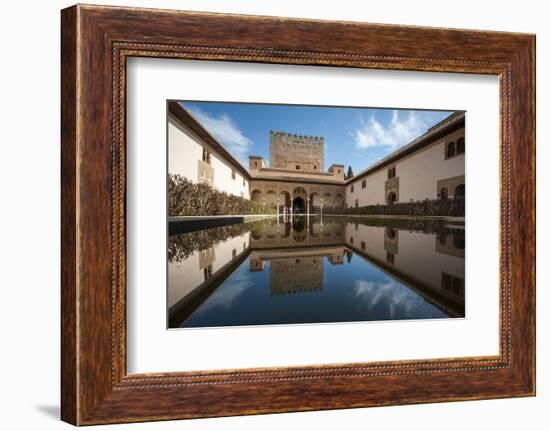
[
  {"x": 189, "y": 199},
  {"x": 411, "y": 224},
  {"x": 449, "y": 208},
  {"x": 183, "y": 245}
]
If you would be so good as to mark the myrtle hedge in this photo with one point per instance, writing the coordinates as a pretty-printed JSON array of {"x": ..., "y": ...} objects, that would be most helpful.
[
  {"x": 411, "y": 224},
  {"x": 189, "y": 199},
  {"x": 449, "y": 207},
  {"x": 181, "y": 246}
]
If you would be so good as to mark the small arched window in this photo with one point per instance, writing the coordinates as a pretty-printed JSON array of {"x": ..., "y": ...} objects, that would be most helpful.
[
  {"x": 451, "y": 149},
  {"x": 460, "y": 146},
  {"x": 444, "y": 194}
]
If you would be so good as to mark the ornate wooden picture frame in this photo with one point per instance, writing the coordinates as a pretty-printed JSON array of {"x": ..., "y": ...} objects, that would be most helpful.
[{"x": 96, "y": 41}]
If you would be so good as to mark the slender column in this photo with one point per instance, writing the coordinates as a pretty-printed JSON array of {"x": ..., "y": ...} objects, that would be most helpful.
[{"x": 278, "y": 191}]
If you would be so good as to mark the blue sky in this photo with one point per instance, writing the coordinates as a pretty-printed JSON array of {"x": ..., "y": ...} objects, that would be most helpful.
[{"x": 353, "y": 136}]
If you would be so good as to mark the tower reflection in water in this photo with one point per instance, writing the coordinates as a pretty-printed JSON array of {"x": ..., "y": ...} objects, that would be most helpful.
[{"x": 312, "y": 270}]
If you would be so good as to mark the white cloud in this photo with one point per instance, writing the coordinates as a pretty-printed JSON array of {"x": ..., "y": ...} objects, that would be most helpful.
[
  {"x": 225, "y": 130},
  {"x": 227, "y": 295},
  {"x": 397, "y": 133},
  {"x": 391, "y": 299}
]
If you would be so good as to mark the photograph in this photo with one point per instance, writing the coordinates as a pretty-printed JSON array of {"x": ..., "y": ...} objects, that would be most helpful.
[{"x": 297, "y": 214}]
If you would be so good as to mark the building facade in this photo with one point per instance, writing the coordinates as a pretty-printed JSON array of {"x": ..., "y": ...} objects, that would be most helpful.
[
  {"x": 296, "y": 152},
  {"x": 295, "y": 181},
  {"x": 430, "y": 167},
  {"x": 194, "y": 154}
]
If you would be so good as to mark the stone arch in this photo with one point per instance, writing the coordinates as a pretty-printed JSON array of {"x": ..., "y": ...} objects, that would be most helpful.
[
  {"x": 339, "y": 200},
  {"x": 271, "y": 198},
  {"x": 338, "y": 229},
  {"x": 314, "y": 229},
  {"x": 392, "y": 198},
  {"x": 327, "y": 199},
  {"x": 314, "y": 200},
  {"x": 256, "y": 234},
  {"x": 256, "y": 195},
  {"x": 284, "y": 230},
  {"x": 284, "y": 201},
  {"x": 299, "y": 191}
]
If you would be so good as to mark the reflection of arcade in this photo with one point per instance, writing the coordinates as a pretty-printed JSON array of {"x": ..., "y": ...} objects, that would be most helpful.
[
  {"x": 297, "y": 232},
  {"x": 296, "y": 247},
  {"x": 298, "y": 270},
  {"x": 436, "y": 272}
]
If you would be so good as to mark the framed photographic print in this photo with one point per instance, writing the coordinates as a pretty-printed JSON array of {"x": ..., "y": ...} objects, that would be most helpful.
[
  {"x": 285, "y": 254},
  {"x": 264, "y": 214}
]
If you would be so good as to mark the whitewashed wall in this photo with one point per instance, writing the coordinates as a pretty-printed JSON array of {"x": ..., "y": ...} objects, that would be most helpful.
[
  {"x": 184, "y": 152},
  {"x": 418, "y": 175},
  {"x": 187, "y": 275},
  {"x": 416, "y": 255}
]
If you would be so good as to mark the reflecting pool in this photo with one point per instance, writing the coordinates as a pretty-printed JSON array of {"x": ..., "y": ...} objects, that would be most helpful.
[{"x": 316, "y": 270}]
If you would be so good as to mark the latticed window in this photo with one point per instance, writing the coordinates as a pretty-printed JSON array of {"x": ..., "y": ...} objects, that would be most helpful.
[
  {"x": 450, "y": 282},
  {"x": 451, "y": 152},
  {"x": 460, "y": 146},
  {"x": 205, "y": 155}
]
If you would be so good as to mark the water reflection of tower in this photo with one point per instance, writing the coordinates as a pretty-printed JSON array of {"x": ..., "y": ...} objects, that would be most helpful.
[
  {"x": 295, "y": 271},
  {"x": 294, "y": 275}
]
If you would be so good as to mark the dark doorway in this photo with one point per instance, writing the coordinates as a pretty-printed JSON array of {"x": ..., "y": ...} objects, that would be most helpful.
[{"x": 298, "y": 205}]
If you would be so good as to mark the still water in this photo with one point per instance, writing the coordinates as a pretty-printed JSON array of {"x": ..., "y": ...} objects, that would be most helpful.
[{"x": 313, "y": 270}]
